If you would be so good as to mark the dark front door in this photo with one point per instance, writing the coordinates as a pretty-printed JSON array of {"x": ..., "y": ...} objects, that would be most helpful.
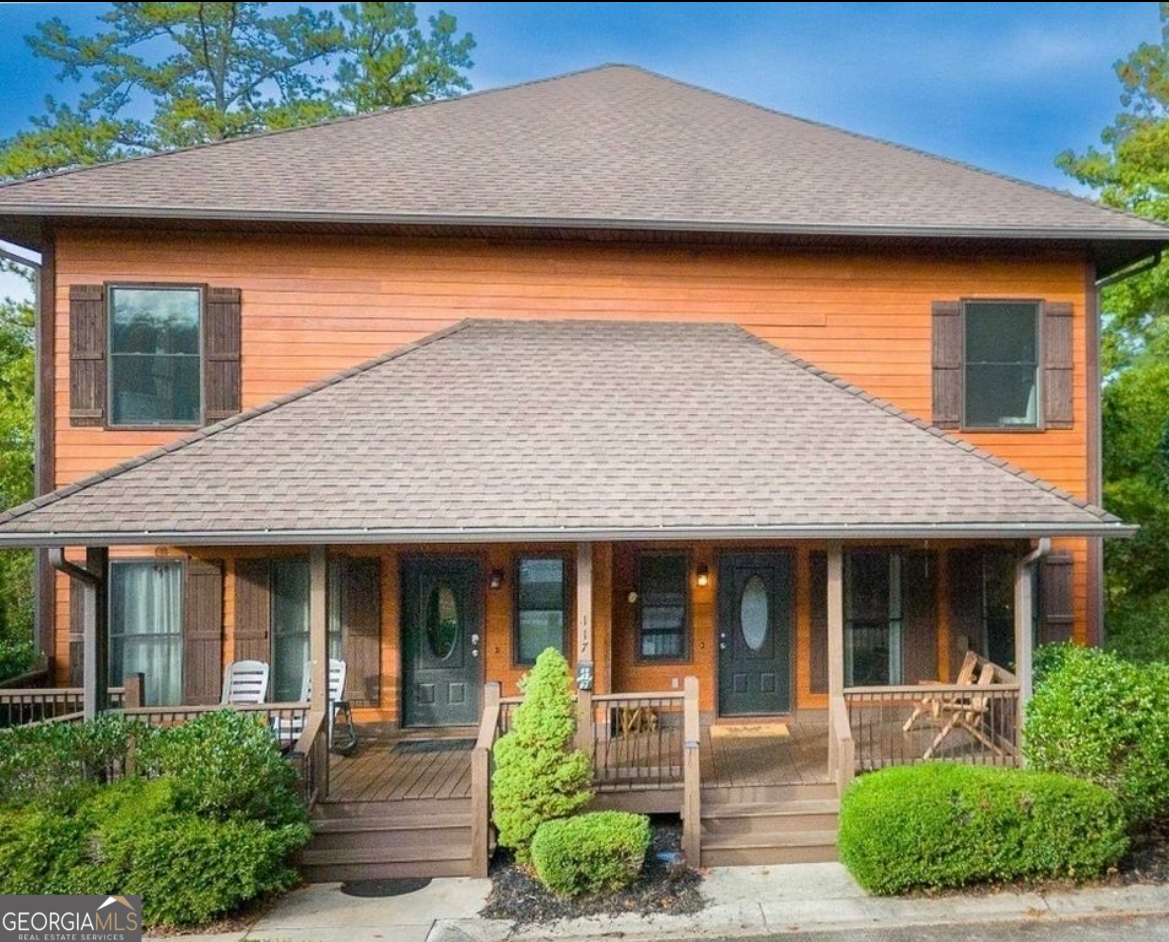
[
  {"x": 442, "y": 627},
  {"x": 754, "y": 633}
]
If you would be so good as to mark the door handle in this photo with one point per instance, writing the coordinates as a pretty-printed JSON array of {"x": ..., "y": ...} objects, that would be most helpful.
[{"x": 474, "y": 640}]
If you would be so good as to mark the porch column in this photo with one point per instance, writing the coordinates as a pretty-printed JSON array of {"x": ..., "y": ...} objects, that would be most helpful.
[
  {"x": 318, "y": 627},
  {"x": 835, "y": 643},
  {"x": 584, "y": 614},
  {"x": 1024, "y": 607},
  {"x": 96, "y": 632}
]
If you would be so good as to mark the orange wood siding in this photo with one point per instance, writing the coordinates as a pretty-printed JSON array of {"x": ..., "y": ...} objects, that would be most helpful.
[{"x": 314, "y": 304}]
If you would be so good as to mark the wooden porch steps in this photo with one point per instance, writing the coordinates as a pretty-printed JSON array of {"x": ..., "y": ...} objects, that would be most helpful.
[
  {"x": 373, "y": 840},
  {"x": 769, "y": 824}
]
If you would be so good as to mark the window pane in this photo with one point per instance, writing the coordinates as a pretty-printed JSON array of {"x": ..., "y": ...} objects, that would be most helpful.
[
  {"x": 1000, "y": 333},
  {"x": 663, "y": 592},
  {"x": 540, "y": 607},
  {"x": 154, "y": 389},
  {"x": 154, "y": 320},
  {"x": 290, "y": 592},
  {"x": 155, "y": 374},
  {"x": 146, "y": 607},
  {"x": 1001, "y": 395},
  {"x": 872, "y": 607},
  {"x": 336, "y": 605},
  {"x": 998, "y": 606}
]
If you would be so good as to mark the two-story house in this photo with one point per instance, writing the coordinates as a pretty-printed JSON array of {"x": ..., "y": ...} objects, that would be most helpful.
[{"x": 679, "y": 385}]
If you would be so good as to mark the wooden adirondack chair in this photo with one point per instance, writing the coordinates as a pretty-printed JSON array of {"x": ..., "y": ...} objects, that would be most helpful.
[
  {"x": 967, "y": 711},
  {"x": 931, "y": 704},
  {"x": 245, "y": 682}
]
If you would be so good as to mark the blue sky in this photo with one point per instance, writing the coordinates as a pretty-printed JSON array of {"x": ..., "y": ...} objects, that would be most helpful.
[{"x": 1004, "y": 86}]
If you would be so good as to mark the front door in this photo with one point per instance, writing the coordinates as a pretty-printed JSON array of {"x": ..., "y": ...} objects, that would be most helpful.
[
  {"x": 754, "y": 633},
  {"x": 442, "y": 627}
]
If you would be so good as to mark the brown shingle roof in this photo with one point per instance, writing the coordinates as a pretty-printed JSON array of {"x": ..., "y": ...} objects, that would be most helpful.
[
  {"x": 614, "y": 146},
  {"x": 497, "y": 429}
]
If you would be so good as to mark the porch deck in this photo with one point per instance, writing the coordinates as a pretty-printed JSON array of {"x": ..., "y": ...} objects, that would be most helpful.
[{"x": 381, "y": 770}]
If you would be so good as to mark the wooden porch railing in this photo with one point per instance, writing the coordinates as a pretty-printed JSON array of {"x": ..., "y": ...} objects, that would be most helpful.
[
  {"x": 490, "y": 729},
  {"x": 841, "y": 745},
  {"x": 20, "y": 706},
  {"x": 310, "y": 756},
  {"x": 956, "y": 722}
]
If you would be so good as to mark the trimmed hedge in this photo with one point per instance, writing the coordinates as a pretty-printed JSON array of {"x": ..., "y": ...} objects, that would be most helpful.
[
  {"x": 601, "y": 851},
  {"x": 1104, "y": 719},
  {"x": 538, "y": 775},
  {"x": 943, "y": 825}
]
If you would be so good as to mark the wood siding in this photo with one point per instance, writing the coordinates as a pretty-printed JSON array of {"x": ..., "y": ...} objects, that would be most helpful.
[{"x": 314, "y": 305}]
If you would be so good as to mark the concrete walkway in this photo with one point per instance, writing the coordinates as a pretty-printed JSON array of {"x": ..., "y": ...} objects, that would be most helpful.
[{"x": 744, "y": 902}]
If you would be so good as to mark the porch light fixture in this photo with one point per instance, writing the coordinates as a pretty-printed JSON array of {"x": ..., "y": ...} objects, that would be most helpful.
[
  {"x": 632, "y": 597},
  {"x": 495, "y": 580},
  {"x": 703, "y": 575}
]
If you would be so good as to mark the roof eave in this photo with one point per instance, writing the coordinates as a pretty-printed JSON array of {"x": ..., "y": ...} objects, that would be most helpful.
[
  {"x": 909, "y": 531},
  {"x": 778, "y": 227}
]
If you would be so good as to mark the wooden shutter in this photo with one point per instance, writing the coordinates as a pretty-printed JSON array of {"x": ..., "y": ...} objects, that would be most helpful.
[
  {"x": 76, "y": 635},
  {"x": 818, "y": 649},
  {"x": 252, "y": 610},
  {"x": 221, "y": 354},
  {"x": 203, "y": 631},
  {"x": 919, "y": 639},
  {"x": 87, "y": 355},
  {"x": 1058, "y": 364},
  {"x": 965, "y": 604},
  {"x": 1057, "y": 612},
  {"x": 947, "y": 364},
  {"x": 361, "y": 626}
]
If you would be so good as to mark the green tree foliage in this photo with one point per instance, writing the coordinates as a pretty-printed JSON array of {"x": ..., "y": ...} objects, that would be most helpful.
[
  {"x": 538, "y": 775},
  {"x": 17, "y": 364},
  {"x": 165, "y": 75},
  {"x": 1130, "y": 171}
]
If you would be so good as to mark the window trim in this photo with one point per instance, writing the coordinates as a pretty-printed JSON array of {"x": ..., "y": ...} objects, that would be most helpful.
[
  {"x": 569, "y": 633},
  {"x": 109, "y": 287},
  {"x": 1040, "y": 418},
  {"x": 687, "y": 614},
  {"x": 179, "y": 561}
]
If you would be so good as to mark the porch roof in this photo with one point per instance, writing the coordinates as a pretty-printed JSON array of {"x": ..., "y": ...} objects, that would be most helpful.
[{"x": 494, "y": 430}]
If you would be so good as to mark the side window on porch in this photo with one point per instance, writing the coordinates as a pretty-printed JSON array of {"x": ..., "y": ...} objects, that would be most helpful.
[
  {"x": 540, "y": 610},
  {"x": 146, "y": 627},
  {"x": 872, "y": 618},
  {"x": 290, "y": 622},
  {"x": 663, "y": 595}
]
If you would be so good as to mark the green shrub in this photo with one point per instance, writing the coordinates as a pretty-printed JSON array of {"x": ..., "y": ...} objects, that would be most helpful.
[
  {"x": 226, "y": 763},
  {"x": 189, "y": 868},
  {"x": 538, "y": 777},
  {"x": 1104, "y": 719},
  {"x": 43, "y": 851},
  {"x": 51, "y": 762},
  {"x": 591, "y": 853},
  {"x": 17, "y": 656},
  {"x": 942, "y": 825}
]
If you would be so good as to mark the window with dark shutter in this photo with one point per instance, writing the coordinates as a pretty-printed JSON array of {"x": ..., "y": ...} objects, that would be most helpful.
[
  {"x": 221, "y": 354},
  {"x": 1057, "y": 602},
  {"x": 252, "y": 610},
  {"x": 203, "y": 631},
  {"x": 947, "y": 364},
  {"x": 819, "y": 617},
  {"x": 1058, "y": 365},
  {"x": 87, "y": 355}
]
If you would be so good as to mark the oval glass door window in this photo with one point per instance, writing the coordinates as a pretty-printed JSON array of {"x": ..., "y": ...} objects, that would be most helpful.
[
  {"x": 442, "y": 621},
  {"x": 753, "y": 613}
]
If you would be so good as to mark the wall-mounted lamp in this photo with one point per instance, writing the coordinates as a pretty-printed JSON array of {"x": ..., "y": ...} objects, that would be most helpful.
[
  {"x": 632, "y": 597},
  {"x": 495, "y": 580},
  {"x": 703, "y": 575}
]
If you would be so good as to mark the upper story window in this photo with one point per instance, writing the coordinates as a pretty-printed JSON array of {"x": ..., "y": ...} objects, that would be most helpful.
[
  {"x": 155, "y": 362},
  {"x": 1002, "y": 364},
  {"x": 663, "y": 592}
]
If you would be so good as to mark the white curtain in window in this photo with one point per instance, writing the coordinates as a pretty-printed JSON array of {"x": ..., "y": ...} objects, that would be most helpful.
[{"x": 146, "y": 631}]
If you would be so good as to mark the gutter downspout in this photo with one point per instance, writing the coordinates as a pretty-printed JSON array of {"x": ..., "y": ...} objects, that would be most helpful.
[
  {"x": 95, "y": 698},
  {"x": 1024, "y": 609}
]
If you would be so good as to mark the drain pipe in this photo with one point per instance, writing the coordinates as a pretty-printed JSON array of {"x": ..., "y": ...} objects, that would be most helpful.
[
  {"x": 1024, "y": 608},
  {"x": 91, "y": 580}
]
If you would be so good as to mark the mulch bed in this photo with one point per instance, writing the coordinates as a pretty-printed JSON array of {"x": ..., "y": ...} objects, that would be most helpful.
[
  {"x": 516, "y": 894},
  {"x": 1147, "y": 860}
]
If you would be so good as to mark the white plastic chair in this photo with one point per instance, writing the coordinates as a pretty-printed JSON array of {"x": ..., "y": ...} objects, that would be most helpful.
[
  {"x": 289, "y": 730},
  {"x": 245, "y": 682}
]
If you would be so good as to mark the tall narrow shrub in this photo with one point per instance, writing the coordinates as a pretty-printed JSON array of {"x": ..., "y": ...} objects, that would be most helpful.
[{"x": 538, "y": 775}]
